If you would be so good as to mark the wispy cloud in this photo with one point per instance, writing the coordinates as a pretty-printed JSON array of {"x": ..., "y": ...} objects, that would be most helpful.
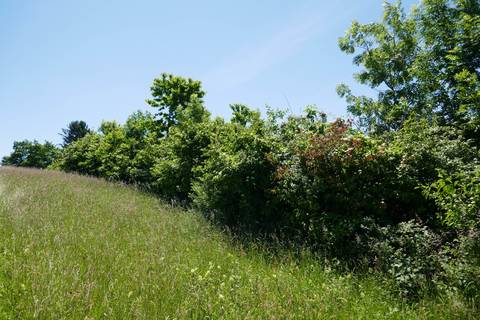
[{"x": 251, "y": 61}]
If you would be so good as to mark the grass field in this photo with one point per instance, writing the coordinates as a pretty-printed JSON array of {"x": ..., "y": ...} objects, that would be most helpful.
[{"x": 74, "y": 247}]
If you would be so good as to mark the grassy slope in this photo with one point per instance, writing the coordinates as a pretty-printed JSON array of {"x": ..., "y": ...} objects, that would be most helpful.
[{"x": 79, "y": 248}]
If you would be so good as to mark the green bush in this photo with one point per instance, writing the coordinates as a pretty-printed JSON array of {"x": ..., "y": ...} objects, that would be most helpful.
[
  {"x": 116, "y": 152},
  {"x": 80, "y": 156},
  {"x": 142, "y": 139},
  {"x": 332, "y": 181},
  {"x": 410, "y": 254},
  {"x": 462, "y": 270},
  {"x": 235, "y": 181},
  {"x": 458, "y": 197}
]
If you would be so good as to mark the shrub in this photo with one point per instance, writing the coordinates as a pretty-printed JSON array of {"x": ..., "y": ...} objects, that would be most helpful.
[
  {"x": 332, "y": 181},
  {"x": 410, "y": 254},
  {"x": 458, "y": 197},
  {"x": 462, "y": 270},
  {"x": 116, "y": 152},
  {"x": 142, "y": 138},
  {"x": 235, "y": 181},
  {"x": 80, "y": 156}
]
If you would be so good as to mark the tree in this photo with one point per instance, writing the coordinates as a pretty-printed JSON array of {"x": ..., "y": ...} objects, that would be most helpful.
[
  {"x": 170, "y": 94},
  {"x": 425, "y": 64},
  {"x": 31, "y": 154},
  {"x": 182, "y": 151},
  {"x": 75, "y": 130}
]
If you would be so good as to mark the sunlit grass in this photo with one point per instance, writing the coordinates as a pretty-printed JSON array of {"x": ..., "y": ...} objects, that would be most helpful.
[{"x": 74, "y": 247}]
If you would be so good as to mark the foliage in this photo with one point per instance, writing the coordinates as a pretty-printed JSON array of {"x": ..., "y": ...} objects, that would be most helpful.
[
  {"x": 141, "y": 139},
  {"x": 399, "y": 194},
  {"x": 409, "y": 254},
  {"x": 31, "y": 154},
  {"x": 424, "y": 64},
  {"x": 116, "y": 152},
  {"x": 75, "y": 130},
  {"x": 422, "y": 149},
  {"x": 462, "y": 271},
  {"x": 80, "y": 156},
  {"x": 458, "y": 197},
  {"x": 181, "y": 152},
  {"x": 332, "y": 181},
  {"x": 236, "y": 177},
  {"x": 170, "y": 93}
]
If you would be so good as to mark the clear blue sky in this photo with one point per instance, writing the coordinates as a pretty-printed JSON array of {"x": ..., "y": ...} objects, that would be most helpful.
[{"x": 93, "y": 60}]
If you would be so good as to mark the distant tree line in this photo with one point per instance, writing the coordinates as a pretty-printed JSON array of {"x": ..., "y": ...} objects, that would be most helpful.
[
  {"x": 41, "y": 155},
  {"x": 396, "y": 189}
]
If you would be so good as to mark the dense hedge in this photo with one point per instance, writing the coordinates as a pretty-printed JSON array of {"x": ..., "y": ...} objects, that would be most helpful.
[{"x": 381, "y": 202}]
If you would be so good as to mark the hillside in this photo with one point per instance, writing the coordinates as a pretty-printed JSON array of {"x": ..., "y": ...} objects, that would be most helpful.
[{"x": 74, "y": 247}]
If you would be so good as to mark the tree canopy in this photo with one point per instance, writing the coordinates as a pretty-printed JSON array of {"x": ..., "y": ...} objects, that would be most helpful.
[
  {"x": 31, "y": 154},
  {"x": 74, "y": 131},
  {"x": 425, "y": 64},
  {"x": 170, "y": 94}
]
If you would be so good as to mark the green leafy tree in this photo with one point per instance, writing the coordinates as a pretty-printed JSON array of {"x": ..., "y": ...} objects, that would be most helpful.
[
  {"x": 31, "y": 154},
  {"x": 182, "y": 151},
  {"x": 74, "y": 131},
  {"x": 426, "y": 63},
  {"x": 171, "y": 93},
  {"x": 117, "y": 152},
  {"x": 143, "y": 142}
]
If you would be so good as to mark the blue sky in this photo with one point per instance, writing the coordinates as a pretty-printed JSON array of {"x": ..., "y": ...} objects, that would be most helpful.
[{"x": 95, "y": 60}]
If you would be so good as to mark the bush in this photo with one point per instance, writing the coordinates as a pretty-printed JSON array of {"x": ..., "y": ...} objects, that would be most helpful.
[
  {"x": 117, "y": 152},
  {"x": 332, "y": 181},
  {"x": 410, "y": 254},
  {"x": 235, "y": 181},
  {"x": 142, "y": 138},
  {"x": 458, "y": 197},
  {"x": 81, "y": 156},
  {"x": 462, "y": 270}
]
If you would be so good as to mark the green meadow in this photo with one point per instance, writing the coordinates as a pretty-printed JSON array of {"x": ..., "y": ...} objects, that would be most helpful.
[{"x": 74, "y": 247}]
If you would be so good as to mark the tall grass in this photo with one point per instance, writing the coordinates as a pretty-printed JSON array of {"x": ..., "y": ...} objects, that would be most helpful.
[{"x": 74, "y": 247}]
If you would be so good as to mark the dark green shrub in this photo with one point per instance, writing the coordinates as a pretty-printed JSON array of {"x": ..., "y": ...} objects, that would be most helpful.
[
  {"x": 462, "y": 270},
  {"x": 236, "y": 178},
  {"x": 410, "y": 254},
  {"x": 332, "y": 182}
]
